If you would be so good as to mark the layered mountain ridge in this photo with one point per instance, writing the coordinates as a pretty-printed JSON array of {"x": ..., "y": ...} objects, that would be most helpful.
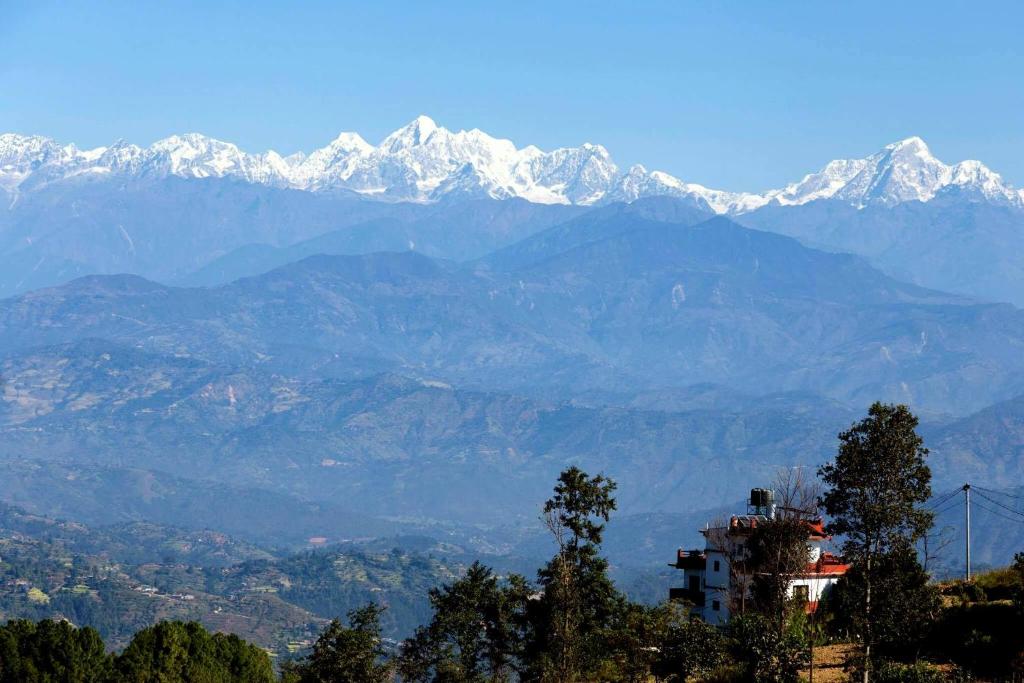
[{"x": 424, "y": 162}]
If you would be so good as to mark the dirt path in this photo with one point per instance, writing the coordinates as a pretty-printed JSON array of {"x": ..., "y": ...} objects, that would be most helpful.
[{"x": 828, "y": 664}]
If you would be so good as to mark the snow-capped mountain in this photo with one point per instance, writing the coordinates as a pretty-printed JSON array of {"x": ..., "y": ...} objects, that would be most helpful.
[
  {"x": 901, "y": 172},
  {"x": 424, "y": 162}
]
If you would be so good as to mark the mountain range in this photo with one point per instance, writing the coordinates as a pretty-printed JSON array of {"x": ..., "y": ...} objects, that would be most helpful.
[
  {"x": 590, "y": 306},
  {"x": 423, "y": 161},
  {"x": 193, "y": 210},
  {"x": 420, "y": 389},
  {"x": 415, "y": 337}
]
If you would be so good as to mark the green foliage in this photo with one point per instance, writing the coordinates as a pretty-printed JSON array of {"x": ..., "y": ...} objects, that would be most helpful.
[
  {"x": 1018, "y": 568},
  {"x": 965, "y": 591},
  {"x": 475, "y": 633},
  {"x": 876, "y": 484},
  {"x": 986, "y": 639},
  {"x": 918, "y": 672},
  {"x": 632, "y": 641},
  {"x": 579, "y": 599},
  {"x": 778, "y": 551},
  {"x": 170, "y": 652},
  {"x": 352, "y": 654},
  {"x": 689, "y": 648},
  {"x": 877, "y": 481},
  {"x": 904, "y": 609},
  {"x": 999, "y": 584},
  {"x": 579, "y": 501},
  {"x": 173, "y": 651},
  {"x": 765, "y": 654},
  {"x": 51, "y": 651}
]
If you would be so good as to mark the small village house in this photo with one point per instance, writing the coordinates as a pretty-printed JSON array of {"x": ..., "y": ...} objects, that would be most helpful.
[{"x": 715, "y": 580}]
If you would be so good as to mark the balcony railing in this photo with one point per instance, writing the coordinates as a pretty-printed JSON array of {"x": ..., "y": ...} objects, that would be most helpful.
[{"x": 688, "y": 595}]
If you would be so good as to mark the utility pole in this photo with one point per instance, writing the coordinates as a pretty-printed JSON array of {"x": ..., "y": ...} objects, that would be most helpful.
[{"x": 967, "y": 528}]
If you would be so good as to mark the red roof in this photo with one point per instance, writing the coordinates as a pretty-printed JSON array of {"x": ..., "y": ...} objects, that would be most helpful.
[
  {"x": 744, "y": 524},
  {"x": 817, "y": 529},
  {"x": 828, "y": 564}
]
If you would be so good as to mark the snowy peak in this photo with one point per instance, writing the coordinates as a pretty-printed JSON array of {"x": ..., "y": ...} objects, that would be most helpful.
[
  {"x": 423, "y": 161},
  {"x": 903, "y": 171},
  {"x": 415, "y": 133},
  {"x": 912, "y": 146},
  {"x": 21, "y": 155},
  {"x": 975, "y": 178}
]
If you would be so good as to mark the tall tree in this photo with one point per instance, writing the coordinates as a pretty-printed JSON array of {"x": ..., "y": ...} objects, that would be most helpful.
[
  {"x": 176, "y": 651},
  {"x": 579, "y": 598},
  {"x": 904, "y": 607},
  {"x": 52, "y": 652},
  {"x": 875, "y": 486},
  {"x": 347, "y": 654},
  {"x": 474, "y": 634}
]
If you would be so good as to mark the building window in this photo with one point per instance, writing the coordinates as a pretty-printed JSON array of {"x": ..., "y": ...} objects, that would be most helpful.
[
  {"x": 717, "y": 566},
  {"x": 715, "y": 605},
  {"x": 801, "y": 593}
]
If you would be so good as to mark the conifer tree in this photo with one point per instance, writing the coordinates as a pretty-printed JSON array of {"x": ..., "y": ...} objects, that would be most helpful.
[
  {"x": 876, "y": 485},
  {"x": 347, "y": 654},
  {"x": 474, "y": 635},
  {"x": 578, "y": 597}
]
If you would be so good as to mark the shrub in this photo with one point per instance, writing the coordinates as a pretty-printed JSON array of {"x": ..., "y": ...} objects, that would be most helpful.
[
  {"x": 919, "y": 672},
  {"x": 1000, "y": 584}
]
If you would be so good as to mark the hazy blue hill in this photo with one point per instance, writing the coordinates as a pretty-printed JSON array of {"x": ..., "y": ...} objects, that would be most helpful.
[
  {"x": 456, "y": 231},
  {"x": 656, "y": 307},
  {"x": 594, "y": 226},
  {"x": 213, "y": 230},
  {"x": 119, "y": 493},
  {"x": 718, "y": 303},
  {"x": 159, "y": 227},
  {"x": 421, "y": 389},
  {"x": 133, "y": 542},
  {"x": 326, "y": 315},
  {"x": 206, "y": 448},
  {"x": 950, "y": 243},
  {"x": 386, "y": 446},
  {"x": 987, "y": 447}
]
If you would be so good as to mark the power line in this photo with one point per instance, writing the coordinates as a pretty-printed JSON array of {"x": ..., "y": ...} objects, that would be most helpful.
[
  {"x": 936, "y": 502},
  {"x": 952, "y": 504},
  {"x": 1005, "y": 507},
  {"x": 1000, "y": 493},
  {"x": 999, "y": 514}
]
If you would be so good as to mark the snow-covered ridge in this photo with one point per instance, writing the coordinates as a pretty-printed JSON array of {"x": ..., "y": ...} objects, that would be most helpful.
[{"x": 425, "y": 162}]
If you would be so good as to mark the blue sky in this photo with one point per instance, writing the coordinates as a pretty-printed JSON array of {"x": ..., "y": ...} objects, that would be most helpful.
[{"x": 737, "y": 95}]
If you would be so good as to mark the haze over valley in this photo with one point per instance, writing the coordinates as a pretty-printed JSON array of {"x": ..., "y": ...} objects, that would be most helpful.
[{"x": 427, "y": 330}]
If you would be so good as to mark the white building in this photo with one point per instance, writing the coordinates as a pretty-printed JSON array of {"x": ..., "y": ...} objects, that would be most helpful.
[{"x": 715, "y": 581}]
